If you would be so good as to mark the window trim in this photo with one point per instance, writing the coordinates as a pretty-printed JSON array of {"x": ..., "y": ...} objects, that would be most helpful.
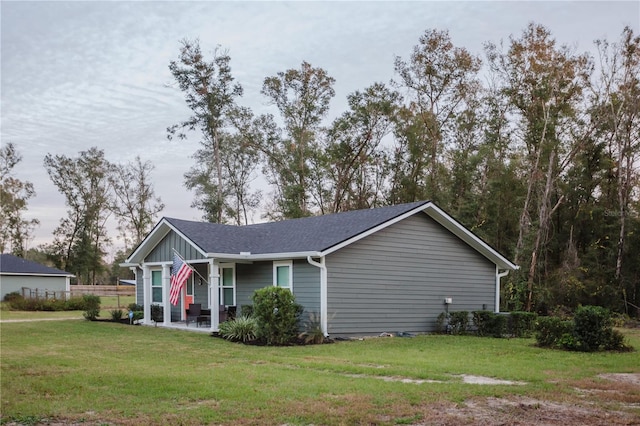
[
  {"x": 221, "y": 288},
  {"x": 276, "y": 265},
  {"x": 159, "y": 286}
]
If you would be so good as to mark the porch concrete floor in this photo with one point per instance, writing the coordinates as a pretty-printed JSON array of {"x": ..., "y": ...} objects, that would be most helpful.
[{"x": 182, "y": 325}]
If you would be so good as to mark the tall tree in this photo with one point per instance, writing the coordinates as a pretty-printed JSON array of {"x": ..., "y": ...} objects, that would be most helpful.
[
  {"x": 15, "y": 230},
  {"x": 136, "y": 204},
  {"x": 616, "y": 112},
  {"x": 81, "y": 239},
  {"x": 353, "y": 160},
  {"x": 302, "y": 97},
  {"x": 439, "y": 78},
  {"x": 210, "y": 93},
  {"x": 544, "y": 84}
]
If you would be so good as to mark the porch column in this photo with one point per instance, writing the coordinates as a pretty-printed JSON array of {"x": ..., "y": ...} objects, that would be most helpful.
[
  {"x": 214, "y": 292},
  {"x": 183, "y": 298},
  {"x": 166, "y": 293},
  {"x": 146, "y": 292}
]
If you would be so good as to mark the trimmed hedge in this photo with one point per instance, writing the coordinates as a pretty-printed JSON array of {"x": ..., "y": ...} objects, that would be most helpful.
[
  {"x": 550, "y": 331},
  {"x": 487, "y": 323},
  {"x": 521, "y": 324}
]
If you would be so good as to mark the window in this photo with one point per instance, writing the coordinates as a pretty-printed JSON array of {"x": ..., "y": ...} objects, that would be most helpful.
[
  {"x": 156, "y": 286},
  {"x": 283, "y": 274},
  {"x": 227, "y": 285}
]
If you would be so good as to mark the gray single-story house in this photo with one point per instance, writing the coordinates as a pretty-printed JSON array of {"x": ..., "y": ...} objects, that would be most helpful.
[
  {"x": 362, "y": 272},
  {"x": 17, "y": 274}
]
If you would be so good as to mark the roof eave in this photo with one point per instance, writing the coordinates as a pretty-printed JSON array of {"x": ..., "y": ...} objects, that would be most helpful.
[
  {"x": 34, "y": 274},
  {"x": 264, "y": 256}
]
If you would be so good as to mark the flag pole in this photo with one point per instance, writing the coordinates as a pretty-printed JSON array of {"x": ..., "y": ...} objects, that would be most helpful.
[{"x": 189, "y": 266}]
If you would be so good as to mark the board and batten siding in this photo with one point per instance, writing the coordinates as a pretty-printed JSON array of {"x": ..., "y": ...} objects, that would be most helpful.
[
  {"x": 397, "y": 279},
  {"x": 252, "y": 277},
  {"x": 163, "y": 252}
]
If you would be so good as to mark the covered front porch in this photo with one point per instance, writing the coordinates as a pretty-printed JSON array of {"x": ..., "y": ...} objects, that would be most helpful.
[{"x": 206, "y": 299}]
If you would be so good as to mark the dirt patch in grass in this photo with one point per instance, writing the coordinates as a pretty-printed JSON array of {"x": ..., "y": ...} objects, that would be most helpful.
[
  {"x": 526, "y": 411},
  {"x": 632, "y": 378}
]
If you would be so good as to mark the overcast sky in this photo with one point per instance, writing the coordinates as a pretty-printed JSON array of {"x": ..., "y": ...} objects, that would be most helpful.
[{"x": 81, "y": 74}]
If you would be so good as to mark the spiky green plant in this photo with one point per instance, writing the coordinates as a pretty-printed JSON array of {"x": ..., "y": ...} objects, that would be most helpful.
[
  {"x": 242, "y": 329},
  {"x": 313, "y": 333}
]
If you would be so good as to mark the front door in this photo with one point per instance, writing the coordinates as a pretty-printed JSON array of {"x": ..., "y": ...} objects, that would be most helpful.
[{"x": 189, "y": 298}]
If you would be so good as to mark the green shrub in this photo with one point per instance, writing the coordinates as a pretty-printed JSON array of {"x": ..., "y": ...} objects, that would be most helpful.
[
  {"x": 483, "y": 322},
  {"x": 593, "y": 330},
  {"x": 242, "y": 329},
  {"x": 75, "y": 303},
  {"x": 14, "y": 295},
  {"x": 117, "y": 315},
  {"x": 549, "y": 331},
  {"x": 246, "y": 310},
  {"x": 277, "y": 313},
  {"x": 157, "y": 313},
  {"x": 498, "y": 325},
  {"x": 135, "y": 307},
  {"x": 616, "y": 342},
  {"x": 19, "y": 303},
  {"x": 458, "y": 322},
  {"x": 442, "y": 322},
  {"x": 521, "y": 324},
  {"x": 91, "y": 306}
]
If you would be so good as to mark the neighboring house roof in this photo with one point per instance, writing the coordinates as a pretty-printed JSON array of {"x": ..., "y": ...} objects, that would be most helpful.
[
  {"x": 13, "y": 265},
  {"x": 310, "y": 236}
]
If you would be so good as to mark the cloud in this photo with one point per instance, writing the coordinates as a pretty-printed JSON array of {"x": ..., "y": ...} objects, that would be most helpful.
[{"x": 82, "y": 74}]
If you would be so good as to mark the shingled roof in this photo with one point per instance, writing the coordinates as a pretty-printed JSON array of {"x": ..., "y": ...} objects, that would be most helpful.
[
  {"x": 13, "y": 265},
  {"x": 309, "y": 234}
]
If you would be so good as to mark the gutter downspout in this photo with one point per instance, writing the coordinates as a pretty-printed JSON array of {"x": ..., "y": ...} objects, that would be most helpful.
[
  {"x": 323, "y": 291},
  {"x": 498, "y": 276}
]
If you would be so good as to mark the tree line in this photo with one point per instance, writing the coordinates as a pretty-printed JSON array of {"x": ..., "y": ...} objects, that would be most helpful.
[
  {"x": 533, "y": 146},
  {"x": 95, "y": 190}
]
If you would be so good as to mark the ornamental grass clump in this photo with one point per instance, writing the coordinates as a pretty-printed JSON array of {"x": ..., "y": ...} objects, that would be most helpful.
[
  {"x": 313, "y": 332},
  {"x": 242, "y": 329}
]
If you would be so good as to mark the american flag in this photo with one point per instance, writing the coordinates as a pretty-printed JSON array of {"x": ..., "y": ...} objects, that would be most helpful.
[{"x": 179, "y": 275}]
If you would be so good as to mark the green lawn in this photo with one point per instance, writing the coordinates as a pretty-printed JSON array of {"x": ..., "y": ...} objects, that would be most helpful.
[{"x": 106, "y": 373}]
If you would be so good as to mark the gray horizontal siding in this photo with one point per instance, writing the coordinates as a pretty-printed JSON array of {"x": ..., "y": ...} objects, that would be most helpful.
[
  {"x": 397, "y": 279},
  {"x": 249, "y": 278},
  {"x": 306, "y": 285},
  {"x": 306, "y": 282}
]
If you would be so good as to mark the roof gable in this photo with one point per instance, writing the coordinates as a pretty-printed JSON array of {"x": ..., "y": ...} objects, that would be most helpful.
[{"x": 10, "y": 264}]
